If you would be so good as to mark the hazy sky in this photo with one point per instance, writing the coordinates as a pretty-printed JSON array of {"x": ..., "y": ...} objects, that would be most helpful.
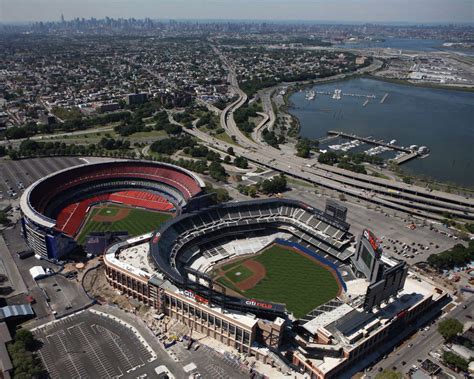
[{"x": 323, "y": 10}]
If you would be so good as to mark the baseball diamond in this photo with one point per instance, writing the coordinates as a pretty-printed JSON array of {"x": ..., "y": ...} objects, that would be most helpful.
[{"x": 284, "y": 275}]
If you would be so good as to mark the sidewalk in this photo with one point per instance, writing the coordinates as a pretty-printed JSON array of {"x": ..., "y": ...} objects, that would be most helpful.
[{"x": 9, "y": 268}]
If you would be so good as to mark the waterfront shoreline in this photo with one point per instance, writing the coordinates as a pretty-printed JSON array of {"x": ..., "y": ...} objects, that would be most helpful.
[
  {"x": 414, "y": 175},
  {"x": 419, "y": 85}
]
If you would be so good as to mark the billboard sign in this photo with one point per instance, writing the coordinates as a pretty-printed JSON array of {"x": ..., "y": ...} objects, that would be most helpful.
[
  {"x": 196, "y": 297},
  {"x": 369, "y": 236},
  {"x": 393, "y": 281}
]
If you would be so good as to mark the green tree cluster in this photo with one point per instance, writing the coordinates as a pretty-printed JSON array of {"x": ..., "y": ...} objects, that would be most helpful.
[
  {"x": 221, "y": 194},
  {"x": 304, "y": 147},
  {"x": 450, "y": 328},
  {"x": 70, "y": 125},
  {"x": 351, "y": 162},
  {"x": 32, "y": 148},
  {"x": 25, "y": 364},
  {"x": 217, "y": 171},
  {"x": 455, "y": 361},
  {"x": 458, "y": 256},
  {"x": 242, "y": 115},
  {"x": 200, "y": 151},
  {"x": 276, "y": 184},
  {"x": 272, "y": 139},
  {"x": 241, "y": 162},
  {"x": 171, "y": 145},
  {"x": 112, "y": 144}
]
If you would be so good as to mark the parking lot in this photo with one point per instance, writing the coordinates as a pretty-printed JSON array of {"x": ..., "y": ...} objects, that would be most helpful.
[
  {"x": 63, "y": 295},
  {"x": 392, "y": 228},
  {"x": 90, "y": 345},
  {"x": 17, "y": 175},
  {"x": 209, "y": 362}
]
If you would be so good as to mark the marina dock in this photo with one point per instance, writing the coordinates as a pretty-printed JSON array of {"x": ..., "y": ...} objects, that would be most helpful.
[
  {"x": 369, "y": 141},
  {"x": 405, "y": 154},
  {"x": 405, "y": 158}
]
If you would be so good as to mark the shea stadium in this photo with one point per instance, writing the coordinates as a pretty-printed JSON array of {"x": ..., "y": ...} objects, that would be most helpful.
[
  {"x": 271, "y": 278},
  {"x": 56, "y": 208}
]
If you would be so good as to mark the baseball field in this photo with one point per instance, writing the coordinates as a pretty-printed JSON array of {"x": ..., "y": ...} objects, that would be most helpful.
[
  {"x": 282, "y": 275},
  {"x": 114, "y": 218}
]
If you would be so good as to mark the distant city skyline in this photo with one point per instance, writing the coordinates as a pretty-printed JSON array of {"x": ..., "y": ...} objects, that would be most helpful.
[{"x": 383, "y": 11}]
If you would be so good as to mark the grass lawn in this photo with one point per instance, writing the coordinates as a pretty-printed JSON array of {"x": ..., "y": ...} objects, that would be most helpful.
[
  {"x": 294, "y": 280},
  {"x": 226, "y": 138},
  {"x": 222, "y": 280},
  {"x": 138, "y": 221},
  {"x": 239, "y": 273}
]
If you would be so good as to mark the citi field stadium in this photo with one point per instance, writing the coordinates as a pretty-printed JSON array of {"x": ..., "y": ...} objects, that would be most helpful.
[{"x": 262, "y": 276}]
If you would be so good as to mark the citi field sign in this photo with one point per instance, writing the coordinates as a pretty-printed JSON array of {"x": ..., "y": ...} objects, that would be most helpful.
[{"x": 369, "y": 236}]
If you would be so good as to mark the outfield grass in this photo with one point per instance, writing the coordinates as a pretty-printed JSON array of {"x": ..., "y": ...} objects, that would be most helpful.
[
  {"x": 294, "y": 280},
  {"x": 138, "y": 221},
  {"x": 239, "y": 273}
]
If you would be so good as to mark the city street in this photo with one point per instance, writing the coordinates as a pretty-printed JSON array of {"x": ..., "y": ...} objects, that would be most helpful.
[{"x": 416, "y": 349}]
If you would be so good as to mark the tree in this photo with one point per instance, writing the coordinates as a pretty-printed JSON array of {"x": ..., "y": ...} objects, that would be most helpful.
[
  {"x": 328, "y": 158},
  {"x": 455, "y": 360},
  {"x": 389, "y": 374},
  {"x": 25, "y": 337},
  {"x": 230, "y": 150},
  {"x": 252, "y": 191},
  {"x": 217, "y": 171},
  {"x": 450, "y": 328},
  {"x": 241, "y": 162},
  {"x": 25, "y": 365},
  {"x": 222, "y": 195},
  {"x": 274, "y": 185},
  {"x": 457, "y": 256},
  {"x": 304, "y": 146}
]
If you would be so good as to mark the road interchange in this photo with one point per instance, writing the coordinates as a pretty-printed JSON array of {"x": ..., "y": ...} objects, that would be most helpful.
[{"x": 412, "y": 199}]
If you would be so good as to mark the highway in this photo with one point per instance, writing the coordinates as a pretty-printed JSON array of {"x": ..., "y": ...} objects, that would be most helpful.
[{"x": 396, "y": 195}]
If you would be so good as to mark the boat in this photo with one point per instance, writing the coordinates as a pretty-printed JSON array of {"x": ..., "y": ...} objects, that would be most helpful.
[
  {"x": 337, "y": 94},
  {"x": 423, "y": 150},
  {"x": 310, "y": 95}
]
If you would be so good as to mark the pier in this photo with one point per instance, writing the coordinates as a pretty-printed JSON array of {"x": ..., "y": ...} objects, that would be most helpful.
[
  {"x": 346, "y": 94},
  {"x": 407, "y": 155},
  {"x": 369, "y": 141},
  {"x": 384, "y": 98},
  {"x": 326, "y": 139},
  {"x": 405, "y": 158}
]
